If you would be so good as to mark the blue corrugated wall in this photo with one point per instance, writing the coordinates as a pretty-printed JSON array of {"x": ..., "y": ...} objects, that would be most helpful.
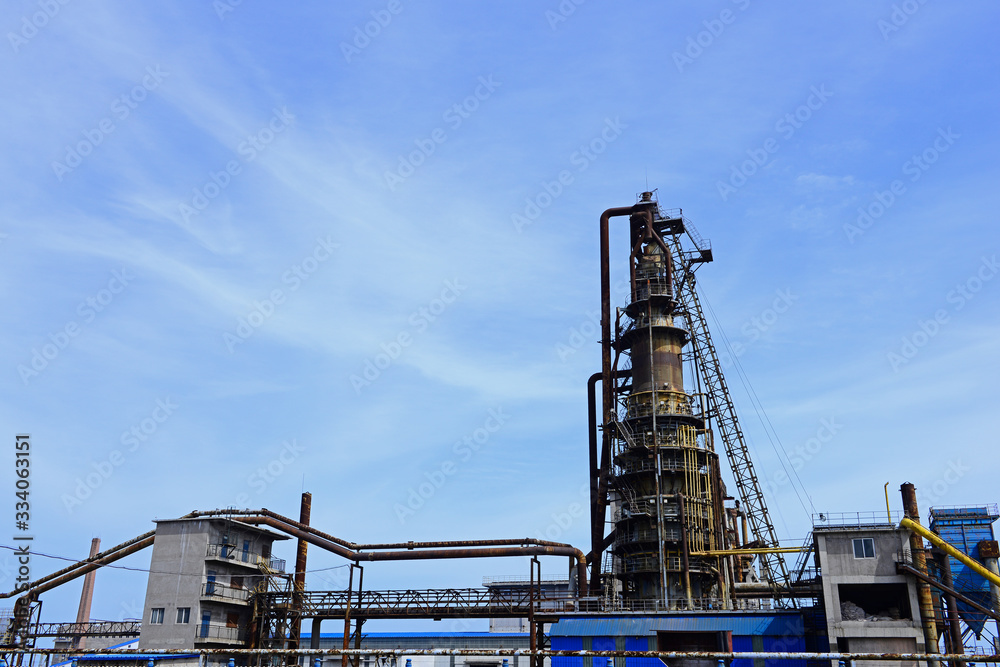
[
  {"x": 567, "y": 644},
  {"x": 742, "y": 645},
  {"x": 640, "y": 644}
]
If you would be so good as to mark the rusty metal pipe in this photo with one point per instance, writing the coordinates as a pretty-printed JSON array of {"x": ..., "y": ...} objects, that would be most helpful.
[
  {"x": 905, "y": 567},
  {"x": 684, "y": 553},
  {"x": 360, "y": 547},
  {"x": 299, "y": 581},
  {"x": 525, "y": 541},
  {"x": 596, "y": 520},
  {"x": 909, "y": 495},
  {"x": 83, "y": 567},
  {"x": 268, "y": 513},
  {"x": 302, "y": 534},
  {"x": 607, "y": 390},
  {"x": 422, "y": 554},
  {"x": 954, "y": 630}
]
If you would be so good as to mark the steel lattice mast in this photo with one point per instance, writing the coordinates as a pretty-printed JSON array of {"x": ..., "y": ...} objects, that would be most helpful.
[{"x": 721, "y": 407}]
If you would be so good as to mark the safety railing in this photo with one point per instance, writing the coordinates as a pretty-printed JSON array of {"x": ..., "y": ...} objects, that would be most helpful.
[
  {"x": 855, "y": 519},
  {"x": 215, "y": 632},
  {"x": 230, "y": 553},
  {"x": 217, "y": 591}
]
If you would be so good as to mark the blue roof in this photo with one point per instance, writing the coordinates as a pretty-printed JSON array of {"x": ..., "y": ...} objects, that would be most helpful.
[
  {"x": 125, "y": 643},
  {"x": 738, "y": 624}
]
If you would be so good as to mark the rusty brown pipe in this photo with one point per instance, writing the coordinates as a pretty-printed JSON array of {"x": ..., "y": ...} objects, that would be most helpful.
[
  {"x": 952, "y": 618},
  {"x": 301, "y": 534},
  {"x": 909, "y": 495},
  {"x": 607, "y": 390},
  {"x": 596, "y": 520},
  {"x": 32, "y": 590},
  {"x": 83, "y": 567},
  {"x": 395, "y": 545},
  {"x": 287, "y": 526},
  {"x": 269, "y": 513},
  {"x": 461, "y": 543},
  {"x": 301, "y": 556}
]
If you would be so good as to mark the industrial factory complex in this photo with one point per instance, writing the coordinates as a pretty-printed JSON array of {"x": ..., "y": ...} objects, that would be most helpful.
[{"x": 681, "y": 567}]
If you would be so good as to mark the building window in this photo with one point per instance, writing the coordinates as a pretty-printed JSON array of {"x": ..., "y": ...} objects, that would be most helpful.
[
  {"x": 864, "y": 547},
  {"x": 156, "y": 615},
  {"x": 183, "y": 614},
  {"x": 235, "y": 582},
  {"x": 232, "y": 619}
]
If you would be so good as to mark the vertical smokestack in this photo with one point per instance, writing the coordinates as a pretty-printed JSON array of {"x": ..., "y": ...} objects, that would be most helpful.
[
  {"x": 909, "y": 494},
  {"x": 300, "y": 577},
  {"x": 87, "y": 594},
  {"x": 300, "y": 555}
]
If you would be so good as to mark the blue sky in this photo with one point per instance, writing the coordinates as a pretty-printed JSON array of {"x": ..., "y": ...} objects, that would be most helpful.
[{"x": 215, "y": 215}]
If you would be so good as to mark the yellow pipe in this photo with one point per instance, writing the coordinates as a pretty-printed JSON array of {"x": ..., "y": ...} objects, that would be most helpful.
[
  {"x": 888, "y": 512},
  {"x": 737, "y": 552},
  {"x": 936, "y": 540}
]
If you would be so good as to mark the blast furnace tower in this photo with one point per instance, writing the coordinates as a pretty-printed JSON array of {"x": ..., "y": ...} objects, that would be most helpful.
[
  {"x": 665, "y": 472},
  {"x": 673, "y": 544}
]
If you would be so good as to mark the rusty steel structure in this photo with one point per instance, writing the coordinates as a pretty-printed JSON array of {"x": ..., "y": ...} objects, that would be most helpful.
[
  {"x": 281, "y": 602},
  {"x": 656, "y": 468},
  {"x": 664, "y": 483},
  {"x": 88, "y": 629}
]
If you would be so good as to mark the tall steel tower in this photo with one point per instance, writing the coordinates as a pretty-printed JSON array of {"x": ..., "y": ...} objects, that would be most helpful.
[{"x": 656, "y": 466}]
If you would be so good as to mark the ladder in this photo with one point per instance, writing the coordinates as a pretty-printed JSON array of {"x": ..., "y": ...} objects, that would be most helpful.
[{"x": 721, "y": 406}]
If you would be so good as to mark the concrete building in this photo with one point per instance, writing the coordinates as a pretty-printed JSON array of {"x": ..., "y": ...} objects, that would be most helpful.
[
  {"x": 201, "y": 575},
  {"x": 868, "y": 606}
]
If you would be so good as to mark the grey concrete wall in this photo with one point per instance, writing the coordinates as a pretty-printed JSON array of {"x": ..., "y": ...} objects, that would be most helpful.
[
  {"x": 835, "y": 549},
  {"x": 176, "y": 576}
]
